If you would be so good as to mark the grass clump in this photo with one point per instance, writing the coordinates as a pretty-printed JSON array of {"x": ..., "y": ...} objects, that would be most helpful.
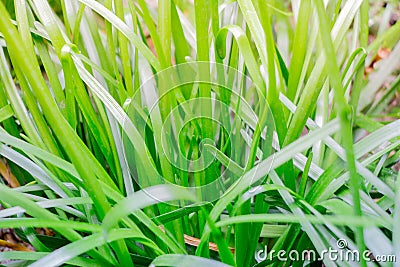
[{"x": 209, "y": 133}]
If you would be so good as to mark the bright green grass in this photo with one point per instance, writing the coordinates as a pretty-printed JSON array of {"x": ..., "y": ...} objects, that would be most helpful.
[{"x": 137, "y": 151}]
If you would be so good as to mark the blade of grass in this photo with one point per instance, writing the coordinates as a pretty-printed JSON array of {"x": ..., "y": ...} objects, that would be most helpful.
[
  {"x": 176, "y": 260},
  {"x": 344, "y": 113},
  {"x": 87, "y": 243},
  {"x": 263, "y": 168},
  {"x": 78, "y": 152}
]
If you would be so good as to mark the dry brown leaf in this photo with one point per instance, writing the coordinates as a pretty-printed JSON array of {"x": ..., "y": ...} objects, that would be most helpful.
[
  {"x": 7, "y": 175},
  {"x": 382, "y": 53},
  {"x": 16, "y": 247},
  {"x": 194, "y": 241}
]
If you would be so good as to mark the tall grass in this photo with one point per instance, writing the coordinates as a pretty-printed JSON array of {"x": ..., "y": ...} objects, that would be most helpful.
[{"x": 209, "y": 133}]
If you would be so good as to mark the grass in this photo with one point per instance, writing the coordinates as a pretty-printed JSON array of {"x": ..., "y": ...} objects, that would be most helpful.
[{"x": 200, "y": 133}]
